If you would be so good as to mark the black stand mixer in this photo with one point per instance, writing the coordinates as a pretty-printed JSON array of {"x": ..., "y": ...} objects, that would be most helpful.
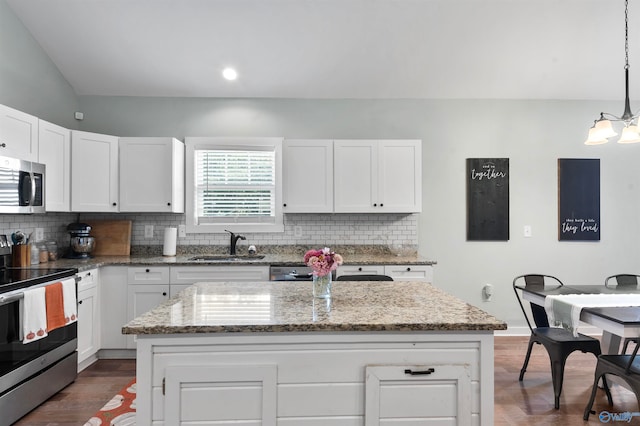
[{"x": 81, "y": 244}]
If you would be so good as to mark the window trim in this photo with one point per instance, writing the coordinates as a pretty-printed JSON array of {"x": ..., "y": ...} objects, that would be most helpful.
[{"x": 193, "y": 144}]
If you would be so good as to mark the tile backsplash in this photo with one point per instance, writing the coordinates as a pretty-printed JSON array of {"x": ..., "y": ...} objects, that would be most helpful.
[{"x": 393, "y": 230}]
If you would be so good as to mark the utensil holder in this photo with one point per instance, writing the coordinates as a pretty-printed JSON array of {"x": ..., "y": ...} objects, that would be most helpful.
[{"x": 21, "y": 255}]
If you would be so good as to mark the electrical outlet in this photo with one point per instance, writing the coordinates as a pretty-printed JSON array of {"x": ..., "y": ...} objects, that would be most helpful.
[
  {"x": 39, "y": 234},
  {"x": 487, "y": 292},
  {"x": 527, "y": 231},
  {"x": 182, "y": 231},
  {"x": 297, "y": 231},
  {"x": 148, "y": 231}
]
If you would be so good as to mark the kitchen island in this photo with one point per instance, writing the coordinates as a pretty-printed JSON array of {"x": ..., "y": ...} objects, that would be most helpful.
[{"x": 268, "y": 353}]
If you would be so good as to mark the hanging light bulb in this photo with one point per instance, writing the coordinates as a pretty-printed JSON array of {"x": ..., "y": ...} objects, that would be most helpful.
[
  {"x": 602, "y": 129},
  {"x": 630, "y": 134}
]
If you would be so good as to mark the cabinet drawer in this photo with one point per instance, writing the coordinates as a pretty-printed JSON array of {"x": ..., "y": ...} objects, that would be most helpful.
[
  {"x": 148, "y": 275},
  {"x": 87, "y": 279},
  {"x": 360, "y": 270},
  {"x": 194, "y": 274},
  {"x": 410, "y": 272}
]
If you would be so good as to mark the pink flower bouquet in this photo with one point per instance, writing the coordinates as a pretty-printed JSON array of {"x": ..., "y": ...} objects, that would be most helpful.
[{"x": 322, "y": 261}]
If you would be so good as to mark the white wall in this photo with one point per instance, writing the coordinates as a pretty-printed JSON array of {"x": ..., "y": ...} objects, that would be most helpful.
[{"x": 533, "y": 134}]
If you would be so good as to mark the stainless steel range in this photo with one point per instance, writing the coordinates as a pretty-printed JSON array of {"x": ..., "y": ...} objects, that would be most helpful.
[{"x": 33, "y": 372}]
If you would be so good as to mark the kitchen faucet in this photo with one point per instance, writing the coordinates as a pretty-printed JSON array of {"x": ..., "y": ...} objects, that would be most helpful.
[{"x": 234, "y": 241}]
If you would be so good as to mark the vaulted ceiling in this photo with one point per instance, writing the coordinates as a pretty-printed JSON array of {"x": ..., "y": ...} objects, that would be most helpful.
[{"x": 368, "y": 49}]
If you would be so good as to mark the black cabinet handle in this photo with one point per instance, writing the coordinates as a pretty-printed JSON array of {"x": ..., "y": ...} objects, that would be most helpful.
[
  {"x": 420, "y": 372},
  {"x": 3, "y": 145},
  {"x": 114, "y": 204},
  {"x": 359, "y": 269},
  {"x": 88, "y": 274},
  {"x": 164, "y": 293},
  {"x": 381, "y": 204},
  {"x": 79, "y": 302},
  {"x": 284, "y": 205},
  {"x": 168, "y": 204},
  {"x": 408, "y": 269},
  {"x": 146, "y": 270},
  {"x": 375, "y": 205}
]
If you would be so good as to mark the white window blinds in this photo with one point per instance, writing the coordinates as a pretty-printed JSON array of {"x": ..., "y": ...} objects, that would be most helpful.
[{"x": 235, "y": 185}]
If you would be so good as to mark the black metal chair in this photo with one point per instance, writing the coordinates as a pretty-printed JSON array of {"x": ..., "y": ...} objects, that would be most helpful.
[
  {"x": 620, "y": 281},
  {"x": 364, "y": 278},
  {"x": 627, "y": 367},
  {"x": 558, "y": 342}
]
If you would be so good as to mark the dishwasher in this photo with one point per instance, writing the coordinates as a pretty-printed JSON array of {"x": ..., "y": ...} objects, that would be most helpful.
[{"x": 290, "y": 273}]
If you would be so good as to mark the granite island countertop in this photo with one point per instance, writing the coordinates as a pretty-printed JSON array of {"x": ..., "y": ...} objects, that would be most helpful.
[{"x": 282, "y": 306}]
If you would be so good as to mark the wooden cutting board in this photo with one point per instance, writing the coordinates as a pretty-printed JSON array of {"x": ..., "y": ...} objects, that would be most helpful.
[{"x": 113, "y": 237}]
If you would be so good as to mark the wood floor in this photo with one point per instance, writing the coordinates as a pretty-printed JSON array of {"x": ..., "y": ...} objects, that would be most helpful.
[{"x": 516, "y": 403}]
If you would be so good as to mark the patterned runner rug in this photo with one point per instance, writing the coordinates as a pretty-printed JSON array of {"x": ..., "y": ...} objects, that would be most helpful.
[{"x": 119, "y": 411}]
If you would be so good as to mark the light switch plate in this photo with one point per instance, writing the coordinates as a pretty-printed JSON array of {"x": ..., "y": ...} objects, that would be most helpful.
[
  {"x": 148, "y": 231},
  {"x": 182, "y": 231},
  {"x": 527, "y": 231},
  {"x": 39, "y": 234}
]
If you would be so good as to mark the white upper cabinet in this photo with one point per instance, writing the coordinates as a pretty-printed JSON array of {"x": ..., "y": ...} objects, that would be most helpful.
[
  {"x": 94, "y": 172},
  {"x": 18, "y": 134},
  {"x": 54, "y": 151},
  {"x": 308, "y": 176},
  {"x": 151, "y": 175},
  {"x": 377, "y": 176}
]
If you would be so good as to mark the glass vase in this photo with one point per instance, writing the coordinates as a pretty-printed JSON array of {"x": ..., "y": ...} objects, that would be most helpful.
[{"x": 322, "y": 286}]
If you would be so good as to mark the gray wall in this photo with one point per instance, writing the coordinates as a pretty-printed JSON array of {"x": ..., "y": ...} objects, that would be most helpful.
[
  {"x": 533, "y": 134},
  {"x": 29, "y": 81}
]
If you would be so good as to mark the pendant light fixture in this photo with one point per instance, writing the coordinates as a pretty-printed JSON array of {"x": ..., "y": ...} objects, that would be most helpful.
[{"x": 602, "y": 129}]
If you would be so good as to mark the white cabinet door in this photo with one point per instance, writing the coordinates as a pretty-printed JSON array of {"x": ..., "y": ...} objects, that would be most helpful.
[
  {"x": 307, "y": 176},
  {"x": 151, "y": 175},
  {"x": 417, "y": 395},
  {"x": 88, "y": 315},
  {"x": 94, "y": 172},
  {"x": 18, "y": 134},
  {"x": 378, "y": 176},
  {"x": 400, "y": 176},
  {"x": 229, "y": 394},
  {"x": 54, "y": 151},
  {"x": 113, "y": 305},
  {"x": 355, "y": 174},
  {"x": 142, "y": 298}
]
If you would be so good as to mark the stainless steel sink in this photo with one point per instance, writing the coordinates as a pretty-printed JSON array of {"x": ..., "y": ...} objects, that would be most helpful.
[{"x": 225, "y": 258}]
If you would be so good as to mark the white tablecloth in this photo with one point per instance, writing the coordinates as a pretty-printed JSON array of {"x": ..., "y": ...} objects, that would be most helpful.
[{"x": 564, "y": 310}]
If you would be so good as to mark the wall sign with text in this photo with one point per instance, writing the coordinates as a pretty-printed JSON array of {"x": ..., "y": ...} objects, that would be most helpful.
[
  {"x": 578, "y": 199},
  {"x": 487, "y": 199}
]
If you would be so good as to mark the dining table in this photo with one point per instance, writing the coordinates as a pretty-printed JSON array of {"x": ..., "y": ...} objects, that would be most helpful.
[{"x": 615, "y": 322}]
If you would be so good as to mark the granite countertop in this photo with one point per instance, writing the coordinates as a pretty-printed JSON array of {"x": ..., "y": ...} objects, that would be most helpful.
[
  {"x": 283, "y": 306},
  {"x": 268, "y": 259}
]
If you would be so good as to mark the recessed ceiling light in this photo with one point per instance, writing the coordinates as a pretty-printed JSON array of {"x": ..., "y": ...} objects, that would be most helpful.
[{"x": 229, "y": 73}]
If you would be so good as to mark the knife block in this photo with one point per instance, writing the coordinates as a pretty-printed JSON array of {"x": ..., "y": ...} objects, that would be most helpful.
[{"x": 21, "y": 256}]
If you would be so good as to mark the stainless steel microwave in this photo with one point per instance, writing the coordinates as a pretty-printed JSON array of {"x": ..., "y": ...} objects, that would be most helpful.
[{"x": 21, "y": 186}]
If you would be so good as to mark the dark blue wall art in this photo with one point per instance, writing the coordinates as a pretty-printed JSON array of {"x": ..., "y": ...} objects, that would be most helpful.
[{"x": 578, "y": 199}]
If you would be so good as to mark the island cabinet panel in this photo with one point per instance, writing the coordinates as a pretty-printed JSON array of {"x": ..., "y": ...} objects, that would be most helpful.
[
  {"x": 240, "y": 393},
  {"x": 193, "y": 274},
  {"x": 415, "y": 395},
  {"x": 320, "y": 378}
]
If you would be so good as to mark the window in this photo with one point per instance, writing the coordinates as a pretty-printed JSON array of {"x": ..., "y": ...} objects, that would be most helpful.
[{"x": 234, "y": 183}]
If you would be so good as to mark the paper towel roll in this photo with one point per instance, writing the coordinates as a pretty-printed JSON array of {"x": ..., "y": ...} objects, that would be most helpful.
[{"x": 170, "y": 237}]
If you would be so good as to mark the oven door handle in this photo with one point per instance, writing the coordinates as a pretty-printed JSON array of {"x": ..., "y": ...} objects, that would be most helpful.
[{"x": 5, "y": 300}]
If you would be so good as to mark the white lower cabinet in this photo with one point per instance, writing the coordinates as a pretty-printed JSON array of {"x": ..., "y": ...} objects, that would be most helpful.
[
  {"x": 397, "y": 272},
  {"x": 113, "y": 300},
  {"x": 316, "y": 379},
  {"x": 88, "y": 317},
  {"x": 147, "y": 287},
  {"x": 418, "y": 394}
]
